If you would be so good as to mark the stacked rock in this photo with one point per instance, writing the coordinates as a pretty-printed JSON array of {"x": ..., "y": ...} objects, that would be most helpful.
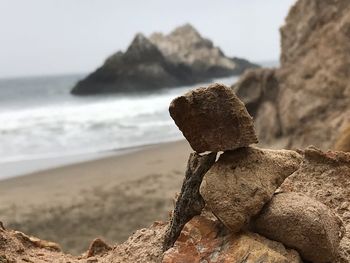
[{"x": 239, "y": 188}]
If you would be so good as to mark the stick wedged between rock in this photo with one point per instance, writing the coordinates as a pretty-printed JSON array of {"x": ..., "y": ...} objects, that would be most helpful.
[{"x": 189, "y": 203}]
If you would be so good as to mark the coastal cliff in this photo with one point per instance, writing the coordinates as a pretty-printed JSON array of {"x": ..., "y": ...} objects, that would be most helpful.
[
  {"x": 181, "y": 58},
  {"x": 306, "y": 100}
]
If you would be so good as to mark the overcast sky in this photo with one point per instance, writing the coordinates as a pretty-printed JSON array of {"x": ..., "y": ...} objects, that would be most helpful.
[{"x": 40, "y": 37}]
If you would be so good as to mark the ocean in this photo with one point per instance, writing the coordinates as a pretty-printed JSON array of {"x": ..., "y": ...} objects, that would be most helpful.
[{"x": 40, "y": 121}]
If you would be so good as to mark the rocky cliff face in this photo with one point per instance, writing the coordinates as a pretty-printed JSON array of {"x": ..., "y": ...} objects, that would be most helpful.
[
  {"x": 180, "y": 58},
  {"x": 311, "y": 105}
]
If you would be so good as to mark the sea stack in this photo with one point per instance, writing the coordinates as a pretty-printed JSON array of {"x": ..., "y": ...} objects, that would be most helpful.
[{"x": 183, "y": 57}]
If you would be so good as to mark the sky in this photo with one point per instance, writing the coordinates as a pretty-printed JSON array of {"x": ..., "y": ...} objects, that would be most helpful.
[{"x": 48, "y": 37}]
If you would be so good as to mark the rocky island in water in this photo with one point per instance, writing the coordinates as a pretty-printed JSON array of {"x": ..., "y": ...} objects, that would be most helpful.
[{"x": 183, "y": 57}]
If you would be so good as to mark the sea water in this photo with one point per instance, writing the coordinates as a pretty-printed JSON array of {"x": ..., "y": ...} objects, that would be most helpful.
[{"x": 40, "y": 119}]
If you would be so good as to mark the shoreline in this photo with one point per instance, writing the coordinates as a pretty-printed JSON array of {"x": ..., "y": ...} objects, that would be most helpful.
[
  {"x": 73, "y": 204},
  {"x": 27, "y": 167}
]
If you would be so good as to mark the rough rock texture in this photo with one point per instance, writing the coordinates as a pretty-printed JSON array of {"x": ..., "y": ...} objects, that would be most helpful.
[
  {"x": 185, "y": 45},
  {"x": 213, "y": 119},
  {"x": 189, "y": 203},
  {"x": 204, "y": 240},
  {"x": 313, "y": 98},
  {"x": 242, "y": 181},
  {"x": 181, "y": 58},
  {"x": 143, "y": 246},
  {"x": 98, "y": 246},
  {"x": 18, "y": 247},
  {"x": 302, "y": 223},
  {"x": 326, "y": 177}
]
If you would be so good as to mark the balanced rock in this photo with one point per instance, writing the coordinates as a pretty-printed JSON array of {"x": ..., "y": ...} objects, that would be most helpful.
[
  {"x": 213, "y": 119},
  {"x": 241, "y": 182},
  {"x": 302, "y": 223}
]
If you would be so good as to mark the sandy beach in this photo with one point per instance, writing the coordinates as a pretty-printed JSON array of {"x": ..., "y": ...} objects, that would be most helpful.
[{"x": 109, "y": 197}]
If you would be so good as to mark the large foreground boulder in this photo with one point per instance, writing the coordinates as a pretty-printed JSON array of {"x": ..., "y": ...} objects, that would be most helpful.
[
  {"x": 325, "y": 176},
  {"x": 302, "y": 223},
  {"x": 241, "y": 182},
  {"x": 181, "y": 58},
  {"x": 213, "y": 119}
]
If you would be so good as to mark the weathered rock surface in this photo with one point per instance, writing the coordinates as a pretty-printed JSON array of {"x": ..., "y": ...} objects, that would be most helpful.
[
  {"x": 213, "y": 119},
  {"x": 325, "y": 176},
  {"x": 302, "y": 223},
  {"x": 204, "y": 240},
  {"x": 97, "y": 246},
  {"x": 241, "y": 182},
  {"x": 183, "y": 57},
  {"x": 186, "y": 46},
  {"x": 313, "y": 94}
]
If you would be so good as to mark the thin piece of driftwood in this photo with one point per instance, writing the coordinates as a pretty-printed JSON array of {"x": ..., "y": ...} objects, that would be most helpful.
[{"x": 189, "y": 203}]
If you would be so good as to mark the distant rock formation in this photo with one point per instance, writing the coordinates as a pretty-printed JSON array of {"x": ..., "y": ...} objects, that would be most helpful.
[
  {"x": 305, "y": 101},
  {"x": 183, "y": 57},
  {"x": 185, "y": 45}
]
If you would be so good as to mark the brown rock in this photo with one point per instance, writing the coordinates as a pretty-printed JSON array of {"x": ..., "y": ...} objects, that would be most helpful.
[
  {"x": 34, "y": 241},
  {"x": 213, "y": 119},
  {"x": 255, "y": 87},
  {"x": 268, "y": 123},
  {"x": 343, "y": 141},
  {"x": 313, "y": 91},
  {"x": 325, "y": 177},
  {"x": 98, "y": 246},
  {"x": 203, "y": 240},
  {"x": 242, "y": 181},
  {"x": 302, "y": 223}
]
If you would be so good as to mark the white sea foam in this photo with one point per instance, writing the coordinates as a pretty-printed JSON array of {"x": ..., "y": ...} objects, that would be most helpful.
[{"x": 41, "y": 119}]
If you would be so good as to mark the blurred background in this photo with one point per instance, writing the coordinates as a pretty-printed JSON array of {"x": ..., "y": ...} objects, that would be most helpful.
[{"x": 79, "y": 83}]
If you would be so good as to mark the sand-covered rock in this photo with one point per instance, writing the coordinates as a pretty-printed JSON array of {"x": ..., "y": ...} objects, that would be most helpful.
[
  {"x": 204, "y": 240},
  {"x": 302, "y": 223},
  {"x": 213, "y": 119},
  {"x": 313, "y": 91},
  {"x": 325, "y": 176},
  {"x": 241, "y": 182}
]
